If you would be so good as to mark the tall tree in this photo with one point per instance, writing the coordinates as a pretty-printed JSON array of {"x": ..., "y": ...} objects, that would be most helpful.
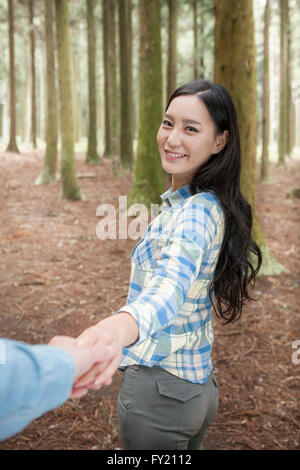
[
  {"x": 12, "y": 145},
  {"x": 75, "y": 72},
  {"x": 265, "y": 173},
  {"x": 48, "y": 172},
  {"x": 284, "y": 93},
  {"x": 235, "y": 70},
  {"x": 147, "y": 183},
  {"x": 42, "y": 88},
  {"x": 126, "y": 98},
  {"x": 110, "y": 81},
  {"x": 70, "y": 187},
  {"x": 290, "y": 124},
  {"x": 92, "y": 155},
  {"x": 196, "y": 39},
  {"x": 32, "y": 75},
  {"x": 172, "y": 49}
]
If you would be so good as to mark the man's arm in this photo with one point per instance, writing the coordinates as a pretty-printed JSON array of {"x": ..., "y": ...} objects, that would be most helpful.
[{"x": 36, "y": 379}]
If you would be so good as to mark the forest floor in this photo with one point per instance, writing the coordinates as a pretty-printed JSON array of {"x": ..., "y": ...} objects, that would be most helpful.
[{"x": 57, "y": 277}]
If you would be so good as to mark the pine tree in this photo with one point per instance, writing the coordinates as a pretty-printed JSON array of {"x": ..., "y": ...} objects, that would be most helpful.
[
  {"x": 126, "y": 98},
  {"x": 147, "y": 183},
  {"x": 110, "y": 79},
  {"x": 32, "y": 75},
  {"x": 70, "y": 187},
  {"x": 92, "y": 155},
  {"x": 48, "y": 172},
  {"x": 172, "y": 50},
  {"x": 265, "y": 173},
  {"x": 284, "y": 107},
  {"x": 12, "y": 146},
  {"x": 235, "y": 70}
]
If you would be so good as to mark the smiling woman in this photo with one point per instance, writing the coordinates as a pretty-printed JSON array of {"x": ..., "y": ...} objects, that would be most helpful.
[
  {"x": 186, "y": 139},
  {"x": 192, "y": 259}
]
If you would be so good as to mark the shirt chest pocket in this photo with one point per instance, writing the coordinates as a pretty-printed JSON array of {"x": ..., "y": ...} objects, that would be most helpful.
[{"x": 146, "y": 253}]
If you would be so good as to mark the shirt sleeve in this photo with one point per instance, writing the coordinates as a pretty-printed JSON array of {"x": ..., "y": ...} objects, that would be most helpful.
[
  {"x": 178, "y": 266},
  {"x": 33, "y": 380}
]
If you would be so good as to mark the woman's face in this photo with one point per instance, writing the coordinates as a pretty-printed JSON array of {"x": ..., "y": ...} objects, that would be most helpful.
[{"x": 186, "y": 139}]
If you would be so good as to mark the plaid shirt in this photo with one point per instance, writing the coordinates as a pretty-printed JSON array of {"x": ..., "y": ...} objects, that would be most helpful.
[{"x": 171, "y": 269}]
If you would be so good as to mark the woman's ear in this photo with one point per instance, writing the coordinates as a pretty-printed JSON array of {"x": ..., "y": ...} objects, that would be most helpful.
[{"x": 221, "y": 141}]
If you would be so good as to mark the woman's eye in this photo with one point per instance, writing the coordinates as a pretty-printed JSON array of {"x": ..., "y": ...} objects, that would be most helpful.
[
  {"x": 167, "y": 123},
  {"x": 191, "y": 129}
]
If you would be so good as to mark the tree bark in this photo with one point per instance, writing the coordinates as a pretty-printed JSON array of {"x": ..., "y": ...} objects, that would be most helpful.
[
  {"x": 105, "y": 42},
  {"x": 283, "y": 117},
  {"x": 172, "y": 50},
  {"x": 235, "y": 70},
  {"x": 265, "y": 173},
  {"x": 196, "y": 41},
  {"x": 147, "y": 183},
  {"x": 111, "y": 92},
  {"x": 12, "y": 145},
  {"x": 70, "y": 187},
  {"x": 42, "y": 88},
  {"x": 92, "y": 155},
  {"x": 290, "y": 118},
  {"x": 126, "y": 99},
  {"x": 32, "y": 73},
  {"x": 48, "y": 172}
]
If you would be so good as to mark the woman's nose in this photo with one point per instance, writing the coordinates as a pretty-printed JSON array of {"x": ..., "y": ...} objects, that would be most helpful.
[{"x": 174, "y": 138}]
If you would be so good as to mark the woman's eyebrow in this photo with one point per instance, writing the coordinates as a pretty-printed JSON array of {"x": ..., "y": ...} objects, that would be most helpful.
[{"x": 186, "y": 121}]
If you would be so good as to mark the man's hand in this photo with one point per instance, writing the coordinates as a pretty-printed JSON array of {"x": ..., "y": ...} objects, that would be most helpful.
[
  {"x": 101, "y": 373},
  {"x": 98, "y": 353},
  {"x": 120, "y": 330}
]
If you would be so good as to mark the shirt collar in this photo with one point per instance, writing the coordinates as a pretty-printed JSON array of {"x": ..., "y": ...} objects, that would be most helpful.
[{"x": 172, "y": 198}]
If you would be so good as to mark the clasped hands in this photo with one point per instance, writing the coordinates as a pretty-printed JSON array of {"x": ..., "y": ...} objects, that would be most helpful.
[{"x": 96, "y": 353}]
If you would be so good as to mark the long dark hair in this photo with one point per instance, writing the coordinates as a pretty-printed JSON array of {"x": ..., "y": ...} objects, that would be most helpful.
[{"x": 221, "y": 174}]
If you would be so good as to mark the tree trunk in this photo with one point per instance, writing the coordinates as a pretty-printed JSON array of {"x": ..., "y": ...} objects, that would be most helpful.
[
  {"x": 196, "y": 42},
  {"x": 290, "y": 118},
  {"x": 92, "y": 155},
  {"x": 32, "y": 73},
  {"x": 105, "y": 43},
  {"x": 111, "y": 92},
  {"x": 79, "y": 127},
  {"x": 172, "y": 51},
  {"x": 202, "y": 72},
  {"x": 12, "y": 146},
  {"x": 235, "y": 70},
  {"x": 42, "y": 119},
  {"x": 283, "y": 117},
  {"x": 265, "y": 174},
  {"x": 48, "y": 172},
  {"x": 70, "y": 187},
  {"x": 126, "y": 98},
  {"x": 147, "y": 183}
]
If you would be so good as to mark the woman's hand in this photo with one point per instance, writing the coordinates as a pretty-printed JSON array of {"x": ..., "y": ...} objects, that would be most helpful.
[
  {"x": 85, "y": 357},
  {"x": 118, "y": 331},
  {"x": 101, "y": 373}
]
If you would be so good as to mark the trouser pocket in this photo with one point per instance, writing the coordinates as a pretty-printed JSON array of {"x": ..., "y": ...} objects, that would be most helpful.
[{"x": 126, "y": 393}]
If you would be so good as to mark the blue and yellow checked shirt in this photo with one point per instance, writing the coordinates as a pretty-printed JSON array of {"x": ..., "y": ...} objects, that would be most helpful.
[{"x": 172, "y": 266}]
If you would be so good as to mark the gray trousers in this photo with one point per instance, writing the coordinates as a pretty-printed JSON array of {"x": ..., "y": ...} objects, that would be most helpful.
[{"x": 158, "y": 410}]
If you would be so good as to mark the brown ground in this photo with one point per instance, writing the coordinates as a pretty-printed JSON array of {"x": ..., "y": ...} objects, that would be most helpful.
[{"x": 57, "y": 277}]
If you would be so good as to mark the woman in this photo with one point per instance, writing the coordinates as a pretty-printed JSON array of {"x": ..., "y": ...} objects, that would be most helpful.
[{"x": 192, "y": 260}]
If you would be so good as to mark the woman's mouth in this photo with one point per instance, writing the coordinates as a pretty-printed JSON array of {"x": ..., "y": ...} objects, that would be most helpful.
[{"x": 174, "y": 155}]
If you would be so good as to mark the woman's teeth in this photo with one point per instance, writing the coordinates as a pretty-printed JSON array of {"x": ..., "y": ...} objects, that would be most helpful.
[{"x": 175, "y": 155}]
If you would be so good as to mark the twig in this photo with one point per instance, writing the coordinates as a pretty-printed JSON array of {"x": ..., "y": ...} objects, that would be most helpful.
[
  {"x": 295, "y": 377},
  {"x": 237, "y": 332}
]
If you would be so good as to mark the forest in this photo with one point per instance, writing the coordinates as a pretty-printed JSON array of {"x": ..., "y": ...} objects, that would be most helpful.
[{"x": 83, "y": 87}]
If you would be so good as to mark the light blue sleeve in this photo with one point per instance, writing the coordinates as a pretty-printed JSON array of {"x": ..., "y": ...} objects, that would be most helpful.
[{"x": 33, "y": 380}]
